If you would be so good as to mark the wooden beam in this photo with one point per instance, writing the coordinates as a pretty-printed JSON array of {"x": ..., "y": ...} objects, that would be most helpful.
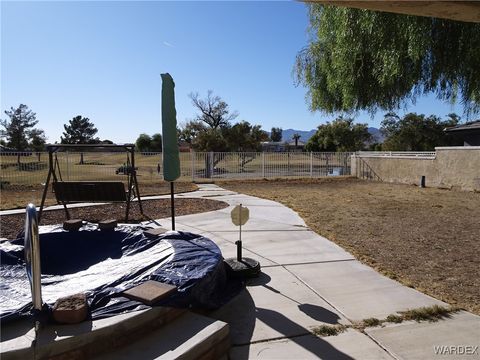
[{"x": 468, "y": 11}]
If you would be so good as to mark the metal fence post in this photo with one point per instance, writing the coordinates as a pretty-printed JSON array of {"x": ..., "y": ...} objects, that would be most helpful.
[
  {"x": 263, "y": 165},
  {"x": 311, "y": 164},
  {"x": 211, "y": 166},
  {"x": 345, "y": 172},
  {"x": 68, "y": 167},
  {"x": 362, "y": 170},
  {"x": 192, "y": 164}
]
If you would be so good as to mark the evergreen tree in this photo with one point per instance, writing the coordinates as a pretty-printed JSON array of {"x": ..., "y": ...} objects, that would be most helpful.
[
  {"x": 79, "y": 130},
  {"x": 17, "y": 127}
]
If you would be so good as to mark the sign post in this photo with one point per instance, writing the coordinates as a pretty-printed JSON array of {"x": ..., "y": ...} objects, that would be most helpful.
[
  {"x": 241, "y": 266},
  {"x": 240, "y": 217}
]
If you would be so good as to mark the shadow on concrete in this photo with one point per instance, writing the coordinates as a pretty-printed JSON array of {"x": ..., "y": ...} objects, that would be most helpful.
[
  {"x": 242, "y": 314},
  {"x": 261, "y": 280},
  {"x": 319, "y": 313},
  {"x": 315, "y": 345},
  {"x": 15, "y": 329},
  {"x": 48, "y": 334},
  {"x": 314, "y": 311}
]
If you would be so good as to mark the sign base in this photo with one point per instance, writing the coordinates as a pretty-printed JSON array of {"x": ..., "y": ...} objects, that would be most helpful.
[{"x": 245, "y": 268}]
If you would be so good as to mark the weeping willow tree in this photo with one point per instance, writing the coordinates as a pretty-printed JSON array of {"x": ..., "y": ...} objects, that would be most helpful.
[{"x": 367, "y": 60}]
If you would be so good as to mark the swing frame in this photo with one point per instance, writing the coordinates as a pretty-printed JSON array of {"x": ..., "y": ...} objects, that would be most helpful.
[{"x": 67, "y": 192}]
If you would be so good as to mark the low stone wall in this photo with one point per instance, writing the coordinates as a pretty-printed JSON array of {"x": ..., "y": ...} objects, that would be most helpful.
[{"x": 452, "y": 167}]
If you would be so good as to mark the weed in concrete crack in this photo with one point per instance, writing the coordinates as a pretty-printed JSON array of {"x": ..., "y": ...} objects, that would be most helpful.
[
  {"x": 371, "y": 322},
  {"x": 430, "y": 313},
  {"x": 394, "y": 318},
  {"x": 328, "y": 330}
]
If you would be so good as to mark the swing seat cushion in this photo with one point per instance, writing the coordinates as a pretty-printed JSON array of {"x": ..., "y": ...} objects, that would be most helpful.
[{"x": 89, "y": 191}]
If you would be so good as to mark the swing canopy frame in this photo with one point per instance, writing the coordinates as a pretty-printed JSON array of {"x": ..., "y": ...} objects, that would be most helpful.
[{"x": 67, "y": 192}]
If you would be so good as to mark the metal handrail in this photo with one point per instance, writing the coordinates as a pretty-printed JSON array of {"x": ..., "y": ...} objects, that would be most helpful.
[
  {"x": 398, "y": 154},
  {"x": 32, "y": 256}
]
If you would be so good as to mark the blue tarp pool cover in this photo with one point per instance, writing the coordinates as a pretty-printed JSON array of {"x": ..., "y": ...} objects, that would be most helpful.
[{"x": 104, "y": 263}]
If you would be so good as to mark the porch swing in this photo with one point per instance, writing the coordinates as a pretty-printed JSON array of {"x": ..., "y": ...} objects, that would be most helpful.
[{"x": 68, "y": 192}]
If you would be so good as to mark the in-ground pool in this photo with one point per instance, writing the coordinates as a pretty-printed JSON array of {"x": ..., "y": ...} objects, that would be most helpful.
[{"x": 104, "y": 263}]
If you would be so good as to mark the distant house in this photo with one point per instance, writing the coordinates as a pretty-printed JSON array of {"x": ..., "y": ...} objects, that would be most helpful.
[
  {"x": 468, "y": 132},
  {"x": 11, "y": 151},
  {"x": 184, "y": 146},
  {"x": 282, "y": 146},
  {"x": 274, "y": 146},
  {"x": 299, "y": 147},
  {"x": 6, "y": 149}
]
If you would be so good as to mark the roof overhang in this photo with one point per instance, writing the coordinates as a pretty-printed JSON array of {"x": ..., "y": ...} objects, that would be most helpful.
[
  {"x": 463, "y": 130},
  {"x": 468, "y": 11}
]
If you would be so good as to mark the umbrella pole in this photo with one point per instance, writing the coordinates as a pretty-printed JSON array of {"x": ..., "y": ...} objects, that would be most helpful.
[{"x": 172, "y": 204}]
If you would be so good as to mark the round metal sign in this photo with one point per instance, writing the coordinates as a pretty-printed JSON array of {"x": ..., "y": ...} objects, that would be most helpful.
[{"x": 240, "y": 215}]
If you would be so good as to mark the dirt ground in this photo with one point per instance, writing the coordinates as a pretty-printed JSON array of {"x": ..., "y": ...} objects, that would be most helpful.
[
  {"x": 18, "y": 196},
  {"x": 428, "y": 239},
  {"x": 11, "y": 225}
]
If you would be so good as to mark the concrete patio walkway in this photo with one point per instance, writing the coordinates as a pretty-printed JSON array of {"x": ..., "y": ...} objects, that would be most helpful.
[{"x": 307, "y": 281}]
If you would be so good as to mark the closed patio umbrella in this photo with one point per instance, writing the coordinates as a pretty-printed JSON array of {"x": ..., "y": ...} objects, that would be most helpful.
[{"x": 171, "y": 159}]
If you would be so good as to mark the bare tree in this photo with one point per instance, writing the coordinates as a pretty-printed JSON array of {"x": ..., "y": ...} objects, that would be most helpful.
[{"x": 214, "y": 111}]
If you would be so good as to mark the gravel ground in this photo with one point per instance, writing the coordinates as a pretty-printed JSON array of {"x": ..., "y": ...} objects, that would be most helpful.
[
  {"x": 11, "y": 225},
  {"x": 18, "y": 196},
  {"x": 425, "y": 238}
]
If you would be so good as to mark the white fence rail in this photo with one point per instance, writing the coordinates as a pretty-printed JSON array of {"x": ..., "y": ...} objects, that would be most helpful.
[
  {"x": 399, "y": 154},
  {"x": 32, "y": 168}
]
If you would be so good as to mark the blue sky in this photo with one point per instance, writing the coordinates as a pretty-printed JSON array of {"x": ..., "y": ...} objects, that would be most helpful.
[{"x": 103, "y": 60}]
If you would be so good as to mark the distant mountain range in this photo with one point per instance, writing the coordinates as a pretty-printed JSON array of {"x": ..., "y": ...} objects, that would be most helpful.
[
  {"x": 376, "y": 134},
  {"x": 287, "y": 134},
  {"x": 306, "y": 135}
]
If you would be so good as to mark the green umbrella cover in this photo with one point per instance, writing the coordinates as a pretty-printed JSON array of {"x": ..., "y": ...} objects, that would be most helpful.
[{"x": 171, "y": 159}]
